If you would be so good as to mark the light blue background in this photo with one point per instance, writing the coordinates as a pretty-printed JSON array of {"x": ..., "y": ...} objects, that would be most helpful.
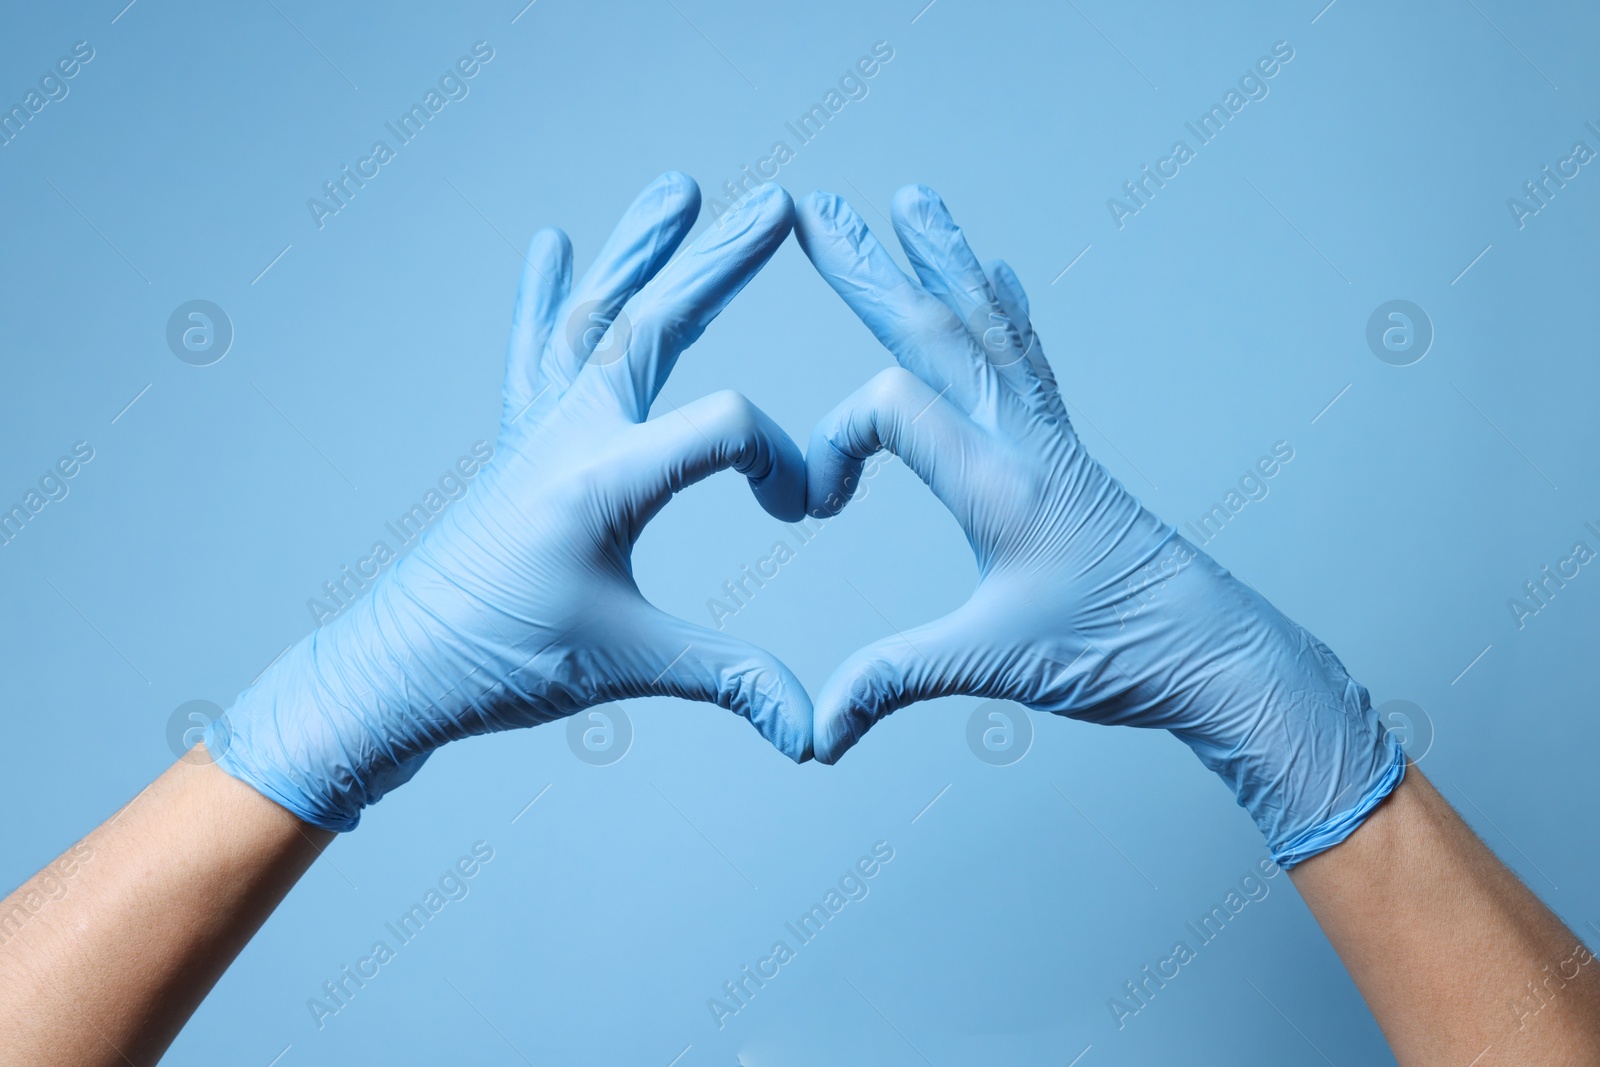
[{"x": 1223, "y": 318}]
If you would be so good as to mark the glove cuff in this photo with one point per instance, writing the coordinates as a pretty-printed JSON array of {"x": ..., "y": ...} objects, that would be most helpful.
[
  {"x": 304, "y": 747},
  {"x": 1333, "y": 831},
  {"x": 281, "y": 789},
  {"x": 350, "y": 712}
]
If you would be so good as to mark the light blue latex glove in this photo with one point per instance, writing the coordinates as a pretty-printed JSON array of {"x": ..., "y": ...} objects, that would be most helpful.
[
  {"x": 519, "y": 606},
  {"x": 1087, "y": 604}
]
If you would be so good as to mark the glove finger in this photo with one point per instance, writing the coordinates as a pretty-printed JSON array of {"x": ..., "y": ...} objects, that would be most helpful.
[
  {"x": 946, "y": 657},
  {"x": 546, "y": 278},
  {"x": 943, "y": 260},
  {"x": 711, "y": 434},
  {"x": 672, "y": 311},
  {"x": 587, "y": 326},
  {"x": 900, "y": 412},
  {"x": 924, "y": 335},
  {"x": 666, "y": 656},
  {"x": 1014, "y": 302}
]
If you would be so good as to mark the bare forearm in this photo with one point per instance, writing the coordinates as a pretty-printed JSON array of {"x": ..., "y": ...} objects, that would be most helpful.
[
  {"x": 106, "y": 953},
  {"x": 1458, "y": 960}
]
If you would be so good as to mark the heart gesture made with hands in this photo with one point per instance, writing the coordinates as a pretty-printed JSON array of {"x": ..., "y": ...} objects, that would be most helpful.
[{"x": 520, "y": 606}]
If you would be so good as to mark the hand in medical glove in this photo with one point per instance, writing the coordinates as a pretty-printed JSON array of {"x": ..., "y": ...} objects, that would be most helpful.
[
  {"x": 1087, "y": 604},
  {"x": 519, "y": 605}
]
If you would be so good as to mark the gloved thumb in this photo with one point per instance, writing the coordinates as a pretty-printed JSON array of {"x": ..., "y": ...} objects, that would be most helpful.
[
  {"x": 942, "y": 658},
  {"x": 711, "y": 434}
]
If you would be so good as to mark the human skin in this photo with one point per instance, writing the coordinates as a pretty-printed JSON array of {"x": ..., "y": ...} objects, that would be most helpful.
[
  {"x": 106, "y": 953},
  {"x": 1441, "y": 939},
  {"x": 1457, "y": 959},
  {"x": 171, "y": 888}
]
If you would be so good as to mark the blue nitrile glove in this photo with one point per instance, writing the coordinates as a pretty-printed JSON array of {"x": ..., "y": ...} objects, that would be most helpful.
[
  {"x": 519, "y": 606},
  {"x": 1087, "y": 604}
]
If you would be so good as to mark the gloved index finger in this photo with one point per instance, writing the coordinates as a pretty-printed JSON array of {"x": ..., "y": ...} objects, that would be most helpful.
[
  {"x": 924, "y": 335},
  {"x": 546, "y": 277},
  {"x": 1014, "y": 302},
  {"x": 943, "y": 260},
  {"x": 672, "y": 311},
  {"x": 587, "y": 328}
]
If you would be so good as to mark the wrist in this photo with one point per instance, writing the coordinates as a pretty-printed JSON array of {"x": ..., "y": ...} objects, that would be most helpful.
[
  {"x": 1306, "y": 756},
  {"x": 1346, "y": 813},
  {"x": 1271, "y": 710},
  {"x": 352, "y": 709}
]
